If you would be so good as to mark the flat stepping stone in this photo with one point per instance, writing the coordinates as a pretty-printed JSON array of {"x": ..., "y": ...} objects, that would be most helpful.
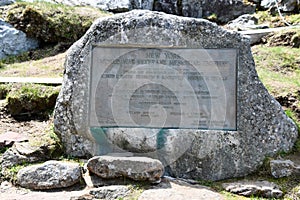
[
  {"x": 135, "y": 168},
  {"x": 9, "y": 138},
  {"x": 49, "y": 175},
  {"x": 254, "y": 188}
]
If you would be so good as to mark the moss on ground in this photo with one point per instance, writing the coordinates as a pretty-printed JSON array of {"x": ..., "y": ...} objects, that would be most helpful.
[
  {"x": 278, "y": 68},
  {"x": 31, "y": 98},
  {"x": 289, "y": 37},
  {"x": 52, "y": 23}
]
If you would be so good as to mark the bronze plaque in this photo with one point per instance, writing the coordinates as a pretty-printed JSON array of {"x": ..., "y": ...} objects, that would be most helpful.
[{"x": 163, "y": 88}]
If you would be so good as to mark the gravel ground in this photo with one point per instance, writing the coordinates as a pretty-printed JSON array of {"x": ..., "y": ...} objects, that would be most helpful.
[{"x": 33, "y": 128}]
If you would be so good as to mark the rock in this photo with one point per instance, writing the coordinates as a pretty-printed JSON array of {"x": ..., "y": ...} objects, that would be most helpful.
[
  {"x": 179, "y": 190},
  {"x": 192, "y": 8},
  {"x": 6, "y": 2},
  {"x": 23, "y": 152},
  {"x": 110, "y": 192},
  {"x": 284, "y": 5},
  {"x": 223, "y": 10},
  {"x": 283, "y": 168},
  {"x": 112, "y": 5},
  {"x": 244, "y": 22},
  {"x": 259, "y": 188},
  {"x": 49, "y": 175},
  {"x": 5, "y": 185},
  {"x": 263, "y": 129},
  {"x": 136, "y": 168},
  {"x": 226, "y": 10},
  {"x": 83, "y": 197},
  {"x": 167, "y": 6},
  {"x": 9, "y": 138},
  {"x": 94, "y": 181},
  {"x": 13, "y": 41},
  {"x": 52, "y": 24}
]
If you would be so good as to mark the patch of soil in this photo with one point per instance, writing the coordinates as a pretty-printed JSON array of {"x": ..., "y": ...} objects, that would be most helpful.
[
  {"x": 291, "y": 101},
  {"x": 284, "y": 38},
  {"x": 31, "y": 126},
  {"x": 52, "y": 66}
]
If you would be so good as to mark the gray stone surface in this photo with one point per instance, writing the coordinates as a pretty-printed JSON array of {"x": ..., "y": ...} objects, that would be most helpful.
[
  {"x": 6, "y": 2},
  {"x": 49, "y": 175},
  {"x": 283, "y": 5},
  {"x": 263, "y": 129},
  {"x": 258, "y": 188},
  {"x": 225, "y": 10},
  {"x": 13, "y": 41},
  {"x": 135, "y": 168},
  {"x": 284, "y": 168},
  {"x": 179, "y": 190},
  {"x": 23, "y": 153},
  {"x": 110, "y": 192},
  {"x": 245, "y": 22}
]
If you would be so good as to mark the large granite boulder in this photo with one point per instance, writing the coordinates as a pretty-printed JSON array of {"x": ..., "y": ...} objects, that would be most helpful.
[
  {"x": 49, "y": 175},
  {"x": 13, "y": 41},
  {"x": 262, "y": 128}
]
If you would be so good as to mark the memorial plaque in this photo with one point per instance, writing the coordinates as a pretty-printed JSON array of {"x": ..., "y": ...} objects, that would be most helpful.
[{"x": 163, "y": 88}]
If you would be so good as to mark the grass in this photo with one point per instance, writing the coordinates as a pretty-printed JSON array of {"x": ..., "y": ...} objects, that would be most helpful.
[
  {"x": 50, "y": 67},
  {"x": 278, "y": 68},
  {"x": 264, "y": 17}
]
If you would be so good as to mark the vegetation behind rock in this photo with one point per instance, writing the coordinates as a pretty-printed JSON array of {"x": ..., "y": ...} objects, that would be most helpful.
[
  {"x": 31, "y": 99},
  {"x": 52, "y": 23}
]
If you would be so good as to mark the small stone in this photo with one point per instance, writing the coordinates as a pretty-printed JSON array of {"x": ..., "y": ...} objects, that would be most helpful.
[
  {"x": 110, "y": 192},
  {"x": 5, "y": 185},
  {"x": 49, "y": 175},
  {"x": 258, "y": 188},
  {"x": 136, "y": 168},
  {"x": 9, "y": 138},
  {"x": 83, "y": 197},
  {"x": 23, "y": 152},
  {"x": 282, "y": 168}
]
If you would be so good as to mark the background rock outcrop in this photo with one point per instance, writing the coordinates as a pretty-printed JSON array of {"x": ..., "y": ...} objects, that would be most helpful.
[{"x": 13, "y": 41}]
